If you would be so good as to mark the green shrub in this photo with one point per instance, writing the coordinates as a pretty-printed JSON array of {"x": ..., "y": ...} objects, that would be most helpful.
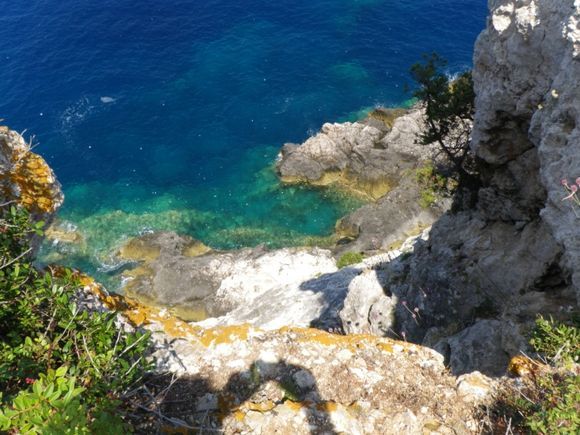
[
  {"x": 557, "y": 410},
  {"x": 559, "y": 342},
  {"x": 549, "y": 400},
  {"x": 433, "y": 184},
  {"x": 42, "y": 328},
  {"x": 349, "y": 258}
]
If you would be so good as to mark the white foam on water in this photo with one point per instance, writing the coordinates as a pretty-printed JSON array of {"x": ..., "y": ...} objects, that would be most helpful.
[{"x": 107, "y": 100}]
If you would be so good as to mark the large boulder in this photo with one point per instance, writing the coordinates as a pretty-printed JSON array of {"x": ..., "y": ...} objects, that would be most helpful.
[{"x": 366, "y": 157}]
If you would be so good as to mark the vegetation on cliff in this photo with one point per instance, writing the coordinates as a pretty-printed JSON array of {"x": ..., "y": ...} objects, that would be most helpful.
[
  {"x": 547, "y": 399},
  {"x": 449, "y": 104},
  {"x": 450, "y": 107},
  {"x": 63, "y": 369}
]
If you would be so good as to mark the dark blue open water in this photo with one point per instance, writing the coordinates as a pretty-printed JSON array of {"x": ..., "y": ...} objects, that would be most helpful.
[{"x": 168, "y": 114}]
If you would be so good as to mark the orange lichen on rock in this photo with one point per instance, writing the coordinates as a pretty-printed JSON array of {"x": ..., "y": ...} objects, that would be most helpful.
[
  {"x": 140, "y": 315},
  {"x": 350, "y": 342},
  {"x": 523, "y": 366},
  {"x": 327, "y": 407},
  {"x": 26, "y": 178}
]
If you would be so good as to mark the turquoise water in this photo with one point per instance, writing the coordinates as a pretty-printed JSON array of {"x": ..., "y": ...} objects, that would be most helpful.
[{"x": 169, "y": 115}]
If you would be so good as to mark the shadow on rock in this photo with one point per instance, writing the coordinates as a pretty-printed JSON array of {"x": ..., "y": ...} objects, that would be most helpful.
[{"x": 267, "y": 398}]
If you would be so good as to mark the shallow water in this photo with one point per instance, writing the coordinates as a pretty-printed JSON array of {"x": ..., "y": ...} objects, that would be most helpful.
[{"x": 169, "y": 115}]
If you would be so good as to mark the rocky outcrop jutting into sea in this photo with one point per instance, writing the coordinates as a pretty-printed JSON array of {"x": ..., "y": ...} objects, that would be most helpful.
[{"x": 368, "y": 157}]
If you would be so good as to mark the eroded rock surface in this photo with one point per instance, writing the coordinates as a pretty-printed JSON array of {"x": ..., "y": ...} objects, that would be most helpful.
[
  {"x": 367, "y": 157},
  {"x": 385, "y": 224},
  {"x": 267, "y": 289},
  {"x": 528, "y": 114},
  {"x": 242, "y": 379},
  {"x": 253, "y": 285}
]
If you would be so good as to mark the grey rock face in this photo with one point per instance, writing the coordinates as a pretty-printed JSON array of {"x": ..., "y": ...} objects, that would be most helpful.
[
  {"x": 517, "y": 253},
  {"x": 365, "y": 294},
  {"x": 383, "y": 224},
  {"x": 359, "y": 155},
  {"x": 268, "y": 289},
  {"x": 528, "y": 118},
  {"x": 486, "y": 346}
]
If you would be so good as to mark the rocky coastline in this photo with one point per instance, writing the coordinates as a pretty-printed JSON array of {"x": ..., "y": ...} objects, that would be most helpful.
[{"x": 414, "y": 338}]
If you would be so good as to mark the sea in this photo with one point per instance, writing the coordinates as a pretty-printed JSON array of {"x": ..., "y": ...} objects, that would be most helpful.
[{"x": 169, "y": 115}]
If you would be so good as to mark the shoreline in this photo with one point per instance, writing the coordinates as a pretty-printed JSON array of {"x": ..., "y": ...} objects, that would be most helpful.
[{"x": 66, "y": 234}]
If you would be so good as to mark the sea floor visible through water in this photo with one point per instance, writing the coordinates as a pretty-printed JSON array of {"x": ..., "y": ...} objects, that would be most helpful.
[{"x": 169, "y": 115}]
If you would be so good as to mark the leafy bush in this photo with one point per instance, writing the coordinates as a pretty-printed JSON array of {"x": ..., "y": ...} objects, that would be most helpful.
[
  {"x": 548, "y": 401},
  {"x": 43, "y": 329},
  {"x": 557, "y": 410},
  {"x": 559, "y": 342},
  {"x": 349, "y": 258}
]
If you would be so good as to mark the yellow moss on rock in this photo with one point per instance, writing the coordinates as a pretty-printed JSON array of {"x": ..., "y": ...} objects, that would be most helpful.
[
  {"x": 195, "y": 249},
  {"x": 367, "y": 189},
  {"x": 521, "y": 365}
]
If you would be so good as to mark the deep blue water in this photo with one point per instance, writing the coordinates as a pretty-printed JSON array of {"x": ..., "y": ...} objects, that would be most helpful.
[{"x": 169, "y": 114}]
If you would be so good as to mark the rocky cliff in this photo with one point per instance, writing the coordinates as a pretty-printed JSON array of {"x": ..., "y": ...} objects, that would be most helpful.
[
  {"x": 527, "y": 130},
  {"x": 486, "y": 272},
  {"x": 467, "y": 289}
]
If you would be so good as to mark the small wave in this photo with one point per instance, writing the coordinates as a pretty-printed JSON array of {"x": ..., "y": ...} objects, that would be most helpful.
[
  {"x": 453, "y": 74},
  {"x": 284, "y": 106},
  {"x": 115, "y": 268},
  {"x": 74, "y": 115}
]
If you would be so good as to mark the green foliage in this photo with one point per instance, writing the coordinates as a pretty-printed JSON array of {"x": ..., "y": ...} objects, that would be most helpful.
[
  {"x": 433, "y": 184},
  {"x": 349, "y": 258},
  {"x": 558, "y": 409},
  {"x": 559, "y": 342},
  {"x": 550, "y": 400},
  {"x": 449, "y": 107},
  {"x": 52, "y": 403},
  {"x": 42, "y": 328}
]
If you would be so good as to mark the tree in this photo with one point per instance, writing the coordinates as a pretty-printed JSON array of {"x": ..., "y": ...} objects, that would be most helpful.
[{"x": 449, "y": 107}]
